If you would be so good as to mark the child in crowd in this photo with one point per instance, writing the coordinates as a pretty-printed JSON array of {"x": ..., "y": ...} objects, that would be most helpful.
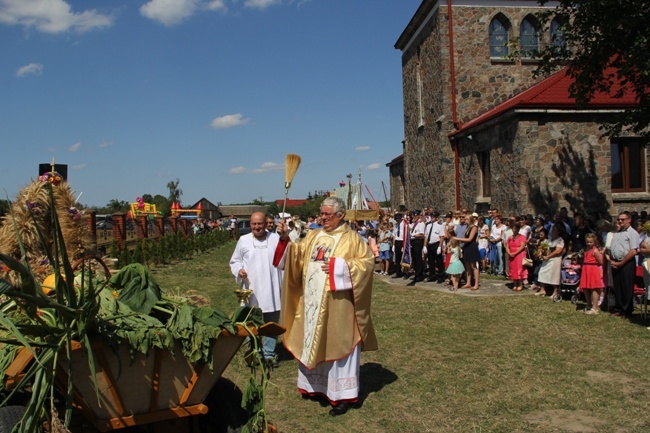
[
  {"x": 591, "y": 279},
  {"x": 483, "y": 239},
  {"x": 385, "y": 243},
  {"x": 456, "y": 267},
  {"x": 541, "y": 249},
  {"x": 372, "y": 242}
]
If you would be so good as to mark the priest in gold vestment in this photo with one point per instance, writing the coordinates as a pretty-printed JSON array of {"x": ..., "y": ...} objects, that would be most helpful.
[{"x": 326, "y": 306}]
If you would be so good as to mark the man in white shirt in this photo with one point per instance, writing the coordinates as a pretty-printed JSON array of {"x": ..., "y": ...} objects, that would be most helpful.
[
  {"x": 252, "y": 265},
  {"x": 417, "y": 246},
  {"x": 497, "y": 233},
  {"x": 398, "y": 244},
  {"x": 434, "y": 234},
  {"x": 622, "y": 258}
]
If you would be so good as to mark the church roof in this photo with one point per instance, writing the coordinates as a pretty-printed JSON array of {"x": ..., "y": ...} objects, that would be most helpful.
[
  {"x": 397, "y": 160},
  {"x": 292, "y": 202},
  {"x": 553, "y": 93}
]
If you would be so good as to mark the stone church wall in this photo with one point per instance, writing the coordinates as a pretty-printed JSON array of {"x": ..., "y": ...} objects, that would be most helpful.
[
  {"x": 428, "y": 156},
  {"x": 483, "y": 83},
  {"x": 540, "y": 165},
  {"x": 429, "y": 159}
]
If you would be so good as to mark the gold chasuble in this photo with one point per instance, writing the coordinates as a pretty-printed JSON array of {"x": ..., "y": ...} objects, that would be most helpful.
[{"x": 323, "y": 323}]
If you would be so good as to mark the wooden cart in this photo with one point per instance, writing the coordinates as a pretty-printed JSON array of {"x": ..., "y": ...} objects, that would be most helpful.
[{"x": 155, "y": 390}]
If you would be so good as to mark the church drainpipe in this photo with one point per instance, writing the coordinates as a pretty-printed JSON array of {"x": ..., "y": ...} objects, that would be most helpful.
[{"x": 452, "y": 71}]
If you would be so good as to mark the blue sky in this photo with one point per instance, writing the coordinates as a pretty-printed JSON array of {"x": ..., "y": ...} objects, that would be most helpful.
[{"x": 132, "y": 94}]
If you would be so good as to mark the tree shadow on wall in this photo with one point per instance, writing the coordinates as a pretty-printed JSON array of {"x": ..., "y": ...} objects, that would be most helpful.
[{"x": 579, "y": 184}]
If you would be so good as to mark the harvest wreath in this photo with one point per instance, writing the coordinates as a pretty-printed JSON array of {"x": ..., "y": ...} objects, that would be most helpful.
[{"x": 86, "y": 308}]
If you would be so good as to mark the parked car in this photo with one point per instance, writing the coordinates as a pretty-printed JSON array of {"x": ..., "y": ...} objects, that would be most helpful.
[
  {"x": 103, "y": 222},
  {"x": 243, "y": 227},
  {"x": 104, "y": 225}
]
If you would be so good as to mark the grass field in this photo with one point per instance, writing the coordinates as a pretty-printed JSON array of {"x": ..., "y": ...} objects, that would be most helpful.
[{"x": 453, "y": 363}]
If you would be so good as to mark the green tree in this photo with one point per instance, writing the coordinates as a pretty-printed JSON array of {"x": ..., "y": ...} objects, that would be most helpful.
[
  {"x": 175, "y": 192},
  {"x": 116, "y": 205},
  {"x": 603, "y": 36},
  {"x": 273, "y": 208},
  {"x": 163, "y": 205}
]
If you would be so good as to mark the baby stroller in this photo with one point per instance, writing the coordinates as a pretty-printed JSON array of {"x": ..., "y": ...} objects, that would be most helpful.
[{"x": 570, "y": 278}]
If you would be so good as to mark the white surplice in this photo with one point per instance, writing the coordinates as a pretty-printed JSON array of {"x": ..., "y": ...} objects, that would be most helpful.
[{"x": 255, "y": 256}]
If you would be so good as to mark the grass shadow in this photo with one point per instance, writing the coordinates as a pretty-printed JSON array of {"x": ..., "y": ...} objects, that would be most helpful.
[
  {"x": 282, "y": 353},
  {"x": 373, "y": 378}
]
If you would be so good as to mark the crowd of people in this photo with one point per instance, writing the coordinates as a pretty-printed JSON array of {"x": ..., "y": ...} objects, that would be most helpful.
[{"x": 455, "y": 248}]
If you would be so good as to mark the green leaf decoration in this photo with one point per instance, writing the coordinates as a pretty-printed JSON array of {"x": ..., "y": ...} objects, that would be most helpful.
[
  {"x": 248, "y": 314},
  {"x": 137, "y": 289}
]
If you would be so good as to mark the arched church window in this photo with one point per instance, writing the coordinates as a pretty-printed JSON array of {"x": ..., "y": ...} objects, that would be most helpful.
[
  {"x": 499, "y": 36},
  {"x": 557, "y": 33},
  {"x": 528, "y": 38}
]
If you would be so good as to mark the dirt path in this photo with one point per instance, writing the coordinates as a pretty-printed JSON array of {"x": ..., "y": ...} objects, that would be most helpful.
[{"x": 490, "y": 286}]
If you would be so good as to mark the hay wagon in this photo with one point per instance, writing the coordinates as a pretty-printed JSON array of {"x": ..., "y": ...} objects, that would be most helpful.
[{"x": 158, "y": 393}]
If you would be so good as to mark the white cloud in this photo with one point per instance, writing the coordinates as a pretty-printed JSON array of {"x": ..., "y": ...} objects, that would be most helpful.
[
  {"x": 237, "y": 170},
  {"x": 264, "y": 168},
  {"x": 217, "y": 5},
  {"x": 375, "y": 166},
  {"x": 51, "y": 16},
  {"x": 105, "y": 144},
  {"x": 75, "y": 147},
  {"x": 228, "y": 121},
  {"x": 79, "y": 166},
  {"x": 172, "y": 12},
  {"x": 31, "y": 69},
  {"x": 268, "y": 166},
  {"x": 362, "y": 148},
  {"x": 169, "y": 12},
  {"x": 261, "y": 4}
]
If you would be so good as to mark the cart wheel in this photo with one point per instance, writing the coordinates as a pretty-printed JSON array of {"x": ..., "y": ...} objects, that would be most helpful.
[
  {"x": 574, "y": 299},
  {"x": 9, "y": 417},
  {"x": 225, "y": 414},
  {"x": 557, "y": 298}
]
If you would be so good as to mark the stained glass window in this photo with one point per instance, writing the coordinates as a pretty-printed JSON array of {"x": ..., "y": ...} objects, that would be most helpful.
[
  {"x": 557, "y": 33},
  {"x": 498, "y": 38},
  {"x": 528, "y": 38}
]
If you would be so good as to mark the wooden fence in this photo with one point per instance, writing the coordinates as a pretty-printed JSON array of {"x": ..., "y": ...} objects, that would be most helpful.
[{"x": 126, "y": 235}]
